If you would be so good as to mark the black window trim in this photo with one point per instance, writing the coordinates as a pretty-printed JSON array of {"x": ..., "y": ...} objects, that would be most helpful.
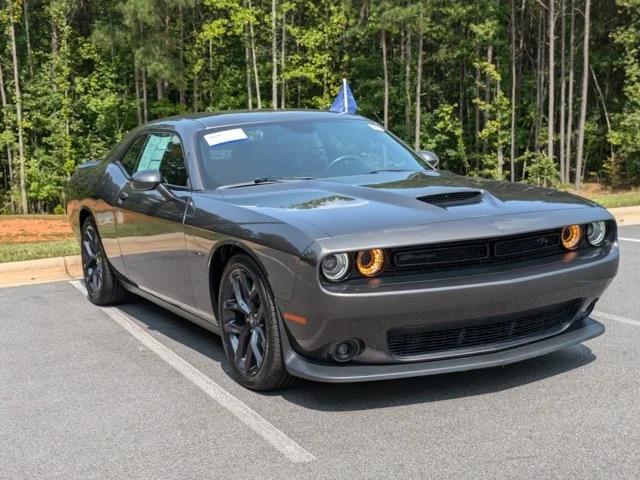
[
  {"x": 146, "y": 133},
  {"x": 124, "y": 151}
]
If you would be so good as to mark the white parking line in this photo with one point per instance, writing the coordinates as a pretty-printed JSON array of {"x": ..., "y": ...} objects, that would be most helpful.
[
  {"x": 626, "y": 239},
  {"x": 617, "y": 318},
  {"x": 245, "y": 414}
]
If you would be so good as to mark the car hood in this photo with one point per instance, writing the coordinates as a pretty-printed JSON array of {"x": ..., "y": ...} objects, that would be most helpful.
[{"x": 388, "y": 200}]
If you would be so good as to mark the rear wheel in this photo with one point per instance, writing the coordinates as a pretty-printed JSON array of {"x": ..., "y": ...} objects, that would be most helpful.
[
  {"x": 103, "y": 287},
  {"x": 249, "y": 326}
]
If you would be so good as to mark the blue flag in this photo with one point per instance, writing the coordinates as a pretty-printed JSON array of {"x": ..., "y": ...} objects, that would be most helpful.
[{"x": 344, "y": 101}]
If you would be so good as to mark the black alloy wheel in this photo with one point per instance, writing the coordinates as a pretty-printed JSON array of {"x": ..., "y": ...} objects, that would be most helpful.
[
  {"x": 103, "y": 287},
  {"x": 249, "y": 326},
  {"x": 243, "y": 321},
  {"x": 92, "y": 265}
]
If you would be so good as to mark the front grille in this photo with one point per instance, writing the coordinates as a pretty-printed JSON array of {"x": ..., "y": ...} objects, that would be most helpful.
[
  {"x": 408, "y": 342},
  {"x": 490, "y": 251},
  {"x": 527, "y": 244},
  {"x": 450, "y": 199},
  {"x": 462, "y": 253}
]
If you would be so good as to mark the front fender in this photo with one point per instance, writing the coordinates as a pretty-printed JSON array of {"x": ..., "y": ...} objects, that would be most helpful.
[
  {"x": 203, "y": 244},
  {"x": 93, "y": 188}
]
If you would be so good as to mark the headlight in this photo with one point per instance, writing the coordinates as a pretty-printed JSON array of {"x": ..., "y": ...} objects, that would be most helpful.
[
  {"x": 335, "y": 267},
  {"x": 597, "y": 233},
  {"x": 572, "y": 236},
  {"x": 370, "y": 262}
]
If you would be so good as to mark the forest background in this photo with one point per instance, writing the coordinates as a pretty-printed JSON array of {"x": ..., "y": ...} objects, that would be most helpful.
[{"x": 539, "y": 91}]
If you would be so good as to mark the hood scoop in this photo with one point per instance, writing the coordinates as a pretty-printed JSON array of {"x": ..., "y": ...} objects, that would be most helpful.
[{"x": 451, "y": 199}]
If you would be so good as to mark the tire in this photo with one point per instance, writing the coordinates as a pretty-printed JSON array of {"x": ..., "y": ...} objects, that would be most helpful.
[
  {"x": 103, "y": 287},
  {"x": 249, "y": 327}
]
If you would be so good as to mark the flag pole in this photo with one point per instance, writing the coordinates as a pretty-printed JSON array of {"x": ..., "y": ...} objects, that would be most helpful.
[{"x": 344, "y": 92}]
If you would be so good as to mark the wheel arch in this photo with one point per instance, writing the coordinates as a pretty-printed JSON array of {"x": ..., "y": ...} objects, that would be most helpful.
[
  {"x": 219, "y": 257},
  {"x": 85, "y": 213},
  {"x": 77, "y": 218}
]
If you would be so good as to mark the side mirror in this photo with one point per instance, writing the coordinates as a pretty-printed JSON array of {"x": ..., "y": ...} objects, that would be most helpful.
[
  {"x": 430, "y": 157},
  {"x": 146, "y": 180}
]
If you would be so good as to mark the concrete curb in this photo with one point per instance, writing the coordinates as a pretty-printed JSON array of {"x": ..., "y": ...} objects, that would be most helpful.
[
  {"x": 40, "y": 271},
  {"x": 65, "y": 268},
  {"x": 626, "y": 216}
]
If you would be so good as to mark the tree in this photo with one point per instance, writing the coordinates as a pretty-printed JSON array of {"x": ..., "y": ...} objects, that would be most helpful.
[
  {"x": 383, "y": 42},
  {"x": 552, "y": 76},
  {"x": 584, "y": 95},
  {"x": 571, "y": 82},
  {"x": 6, "y": 137},
  {"x": 274, "y": 57},
  {"x": 514, "y": 85},
  {"x": 13, "y": 9},
  {"x": 626, "y": 123},
  {"x": 418, "y": 101},
  {"x": 563, "y": 89},
  {"x": 462, "y": 78},
  {"x": 283, "y": 45},
  {"x": 252, "y": 47}
]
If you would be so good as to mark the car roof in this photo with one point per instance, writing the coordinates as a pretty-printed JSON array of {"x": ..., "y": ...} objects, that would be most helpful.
[{"x": 234, "y": 117}]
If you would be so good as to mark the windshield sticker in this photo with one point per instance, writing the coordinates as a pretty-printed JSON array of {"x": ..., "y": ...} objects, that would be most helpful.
[
  {"x": 225, "y": 136},
  {"x": 375, "y": 127}
]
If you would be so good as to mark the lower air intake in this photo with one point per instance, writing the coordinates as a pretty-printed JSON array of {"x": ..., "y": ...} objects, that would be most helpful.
[{"x": 533, "y": 323}]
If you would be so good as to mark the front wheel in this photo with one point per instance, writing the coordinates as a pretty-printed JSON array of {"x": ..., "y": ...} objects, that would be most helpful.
[
  {"x": 103, "y": 287},
  {"x": 249, "y": 326}
]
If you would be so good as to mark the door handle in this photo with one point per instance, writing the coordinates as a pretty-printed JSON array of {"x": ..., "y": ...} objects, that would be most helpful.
[{"x": 122, "y": 196}]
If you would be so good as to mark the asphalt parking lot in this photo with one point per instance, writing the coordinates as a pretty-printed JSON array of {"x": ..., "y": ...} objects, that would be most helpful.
[{"x": 137, "y": 392}]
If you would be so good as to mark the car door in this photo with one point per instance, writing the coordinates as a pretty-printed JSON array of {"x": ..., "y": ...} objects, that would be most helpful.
[{"x": 150, "y": 223}]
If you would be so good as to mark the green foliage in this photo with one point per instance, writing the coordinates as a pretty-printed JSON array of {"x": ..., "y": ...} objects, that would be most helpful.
[
  {"x": 443, "y": 133},
  {"x": 627, "y": 122},
  {"x": 616, "y": 200},
  {"x": 540, "y": 170},
  {"x": 15, "y": 252},
  {"x": 612, "y": 169},
  {"x": 495, "y": 133},
  {"x": 91, "y": 71}
]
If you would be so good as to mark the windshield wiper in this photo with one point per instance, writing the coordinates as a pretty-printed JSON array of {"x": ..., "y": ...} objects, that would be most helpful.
[
  {"x": 392, "y": 170},
  {"x": 279, "y": 179},
  {"x": 266, "y": 180},
  {"x": 260, "y": 180}
]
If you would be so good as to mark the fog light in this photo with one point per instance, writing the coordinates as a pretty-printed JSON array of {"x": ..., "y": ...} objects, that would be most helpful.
[
  {"x": 346, "y": 351},
  {"x": 572, "y": 236}
]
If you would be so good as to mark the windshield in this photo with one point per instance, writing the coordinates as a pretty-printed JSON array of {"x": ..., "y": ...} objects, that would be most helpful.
[{"x": 302, "y": 149}]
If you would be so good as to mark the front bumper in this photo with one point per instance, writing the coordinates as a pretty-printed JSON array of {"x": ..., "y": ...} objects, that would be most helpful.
[
  {"x": 367, "y": 311},
  {"x": 581, "y": 331}
]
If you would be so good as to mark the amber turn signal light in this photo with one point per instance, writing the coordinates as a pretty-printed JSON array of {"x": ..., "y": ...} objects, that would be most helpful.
[
  {"x": 370, "y": 262},
  {"x": 572, "y": 236}
]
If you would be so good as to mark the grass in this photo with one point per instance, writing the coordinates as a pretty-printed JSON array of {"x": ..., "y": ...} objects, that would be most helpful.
[
  {"x": 15, "y": 252},
  {"x": 614, "y": 200}
]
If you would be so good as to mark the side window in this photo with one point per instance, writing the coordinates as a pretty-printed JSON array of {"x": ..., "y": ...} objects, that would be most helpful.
[
  {"x": 173, "y": 167},
  {"x": 163, "y": 152},
  {"x": 130, "y": 159}
]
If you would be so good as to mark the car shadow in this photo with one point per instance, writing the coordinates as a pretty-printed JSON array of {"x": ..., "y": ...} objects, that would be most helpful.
[
  {"x": 177, "y": 328},
  {"x": 435, "y": 388},
  {"x": 370, "y": 395}
]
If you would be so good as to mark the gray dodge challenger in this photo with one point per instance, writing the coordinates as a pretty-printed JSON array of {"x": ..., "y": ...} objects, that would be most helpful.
[{"x": 318, "y": 245}]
